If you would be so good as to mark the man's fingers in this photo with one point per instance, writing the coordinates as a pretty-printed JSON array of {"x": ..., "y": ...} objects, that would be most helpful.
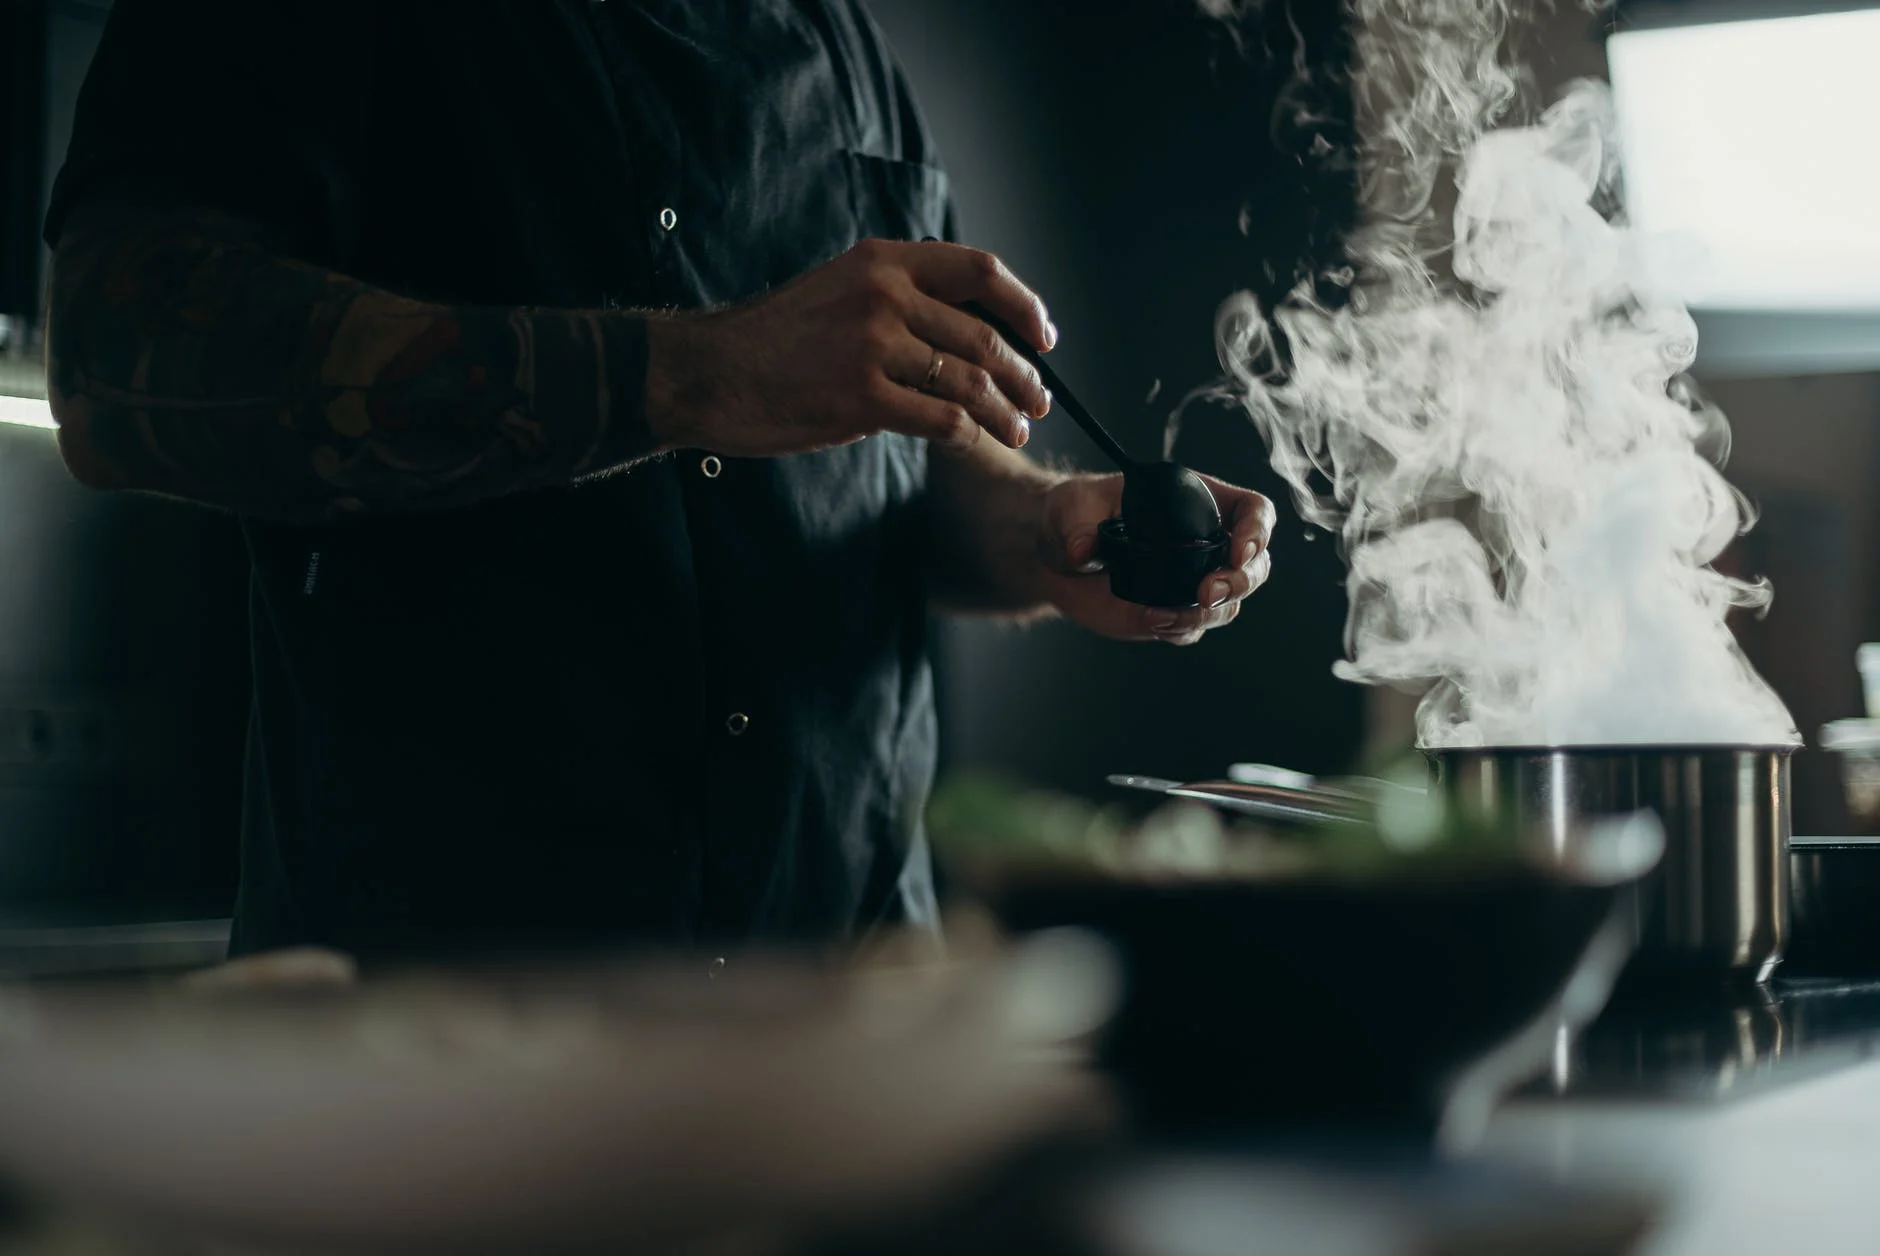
[
  {"x": 1260, "y": 569},
  {"x": 1231, "y": 584},
  {"x": 1193, "y": 636},
  {"x": 1126, "y": 621},
  {"x": 1185, "y": 627},
  {"x": 1250, "y": 521},
  {"x": 959, "y": 334},
  {"x": 942, "y": 420},
  {"x": 962, "y": 383},
  {"x": 1228, "y": 585},
  {"x": 300, "y": 968},
  {"x": 956, "y": 274}
]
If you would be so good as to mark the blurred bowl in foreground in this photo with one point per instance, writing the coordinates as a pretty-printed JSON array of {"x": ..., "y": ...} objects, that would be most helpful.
[{"x": 1403, "y": 1001}]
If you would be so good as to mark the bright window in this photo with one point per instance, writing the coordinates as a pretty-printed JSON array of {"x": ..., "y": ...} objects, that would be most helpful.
[{"x": 1750, "y": 158}]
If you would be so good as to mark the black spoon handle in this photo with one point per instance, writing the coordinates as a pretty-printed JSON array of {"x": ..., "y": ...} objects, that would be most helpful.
[{"x": 1059, "y": 393}]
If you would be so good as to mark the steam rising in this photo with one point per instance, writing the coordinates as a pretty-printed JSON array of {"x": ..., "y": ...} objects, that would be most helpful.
[{"x": 1526, "y": 483}]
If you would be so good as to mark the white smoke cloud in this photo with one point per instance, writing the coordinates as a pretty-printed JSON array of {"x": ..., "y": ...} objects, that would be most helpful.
[{"x": 1526, "y": 483}]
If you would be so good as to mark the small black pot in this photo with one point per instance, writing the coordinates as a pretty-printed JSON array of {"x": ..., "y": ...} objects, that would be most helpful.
[
  {"x": 1158, "y": 573},
  {"x": 1834, "y": 904}
]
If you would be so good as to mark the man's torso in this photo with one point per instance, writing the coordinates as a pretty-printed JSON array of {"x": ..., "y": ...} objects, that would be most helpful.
[{"x": 684, "y": 704}]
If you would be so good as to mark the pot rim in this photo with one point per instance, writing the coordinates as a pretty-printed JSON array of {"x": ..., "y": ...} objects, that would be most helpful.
[
  {"x": 1589, "y": 749},
  {"x": 1808, "y": 844}
]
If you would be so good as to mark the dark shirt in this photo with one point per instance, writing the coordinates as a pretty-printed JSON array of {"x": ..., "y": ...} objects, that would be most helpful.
[{"x": 686, "y": 705}]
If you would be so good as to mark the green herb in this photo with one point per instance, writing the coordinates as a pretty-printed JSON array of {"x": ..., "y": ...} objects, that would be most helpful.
[{"x": 989, "y": 827}]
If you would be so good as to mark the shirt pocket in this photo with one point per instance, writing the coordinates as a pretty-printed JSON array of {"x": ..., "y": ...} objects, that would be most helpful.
[{"x": 897, "y": 200}]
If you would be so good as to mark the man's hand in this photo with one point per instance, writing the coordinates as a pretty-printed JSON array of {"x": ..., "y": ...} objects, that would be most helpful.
[
  {"x": 1075, "y": 506},
  {"x": 298, "y": 969},
  {"x": 849, "y": 349}
]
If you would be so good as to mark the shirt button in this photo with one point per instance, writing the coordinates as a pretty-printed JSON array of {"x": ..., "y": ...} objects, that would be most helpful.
[
  {"x": 736, "y": 723},
  {"x": 711, "y": 467},
  {"x": 668, "y": 218},
  {"x": 715, "y": 967}
]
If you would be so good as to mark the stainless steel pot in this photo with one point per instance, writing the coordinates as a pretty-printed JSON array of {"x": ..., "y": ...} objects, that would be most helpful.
[
  {"x": 1719, "y": 901},
  {"x": 1718, "y": 904}
]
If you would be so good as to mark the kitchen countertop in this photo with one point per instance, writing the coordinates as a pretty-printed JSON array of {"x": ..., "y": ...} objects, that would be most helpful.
[
  {"x": 1722, "y": 1045},
  {"x": 66, "y": 949},
  {"x": 1786, "y": 1170},
  {"x": 1757, "y": 1114}
]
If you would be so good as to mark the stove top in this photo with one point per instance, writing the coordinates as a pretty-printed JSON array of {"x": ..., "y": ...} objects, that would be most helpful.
[{"x": 1721, "y": 1045}]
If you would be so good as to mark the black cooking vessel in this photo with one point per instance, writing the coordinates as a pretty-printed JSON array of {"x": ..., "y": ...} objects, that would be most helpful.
[{"x": 1834, "y": 894}]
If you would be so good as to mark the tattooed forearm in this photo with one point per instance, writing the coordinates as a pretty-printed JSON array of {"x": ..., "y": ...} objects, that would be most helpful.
[{"x": 187, "y": 358}]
